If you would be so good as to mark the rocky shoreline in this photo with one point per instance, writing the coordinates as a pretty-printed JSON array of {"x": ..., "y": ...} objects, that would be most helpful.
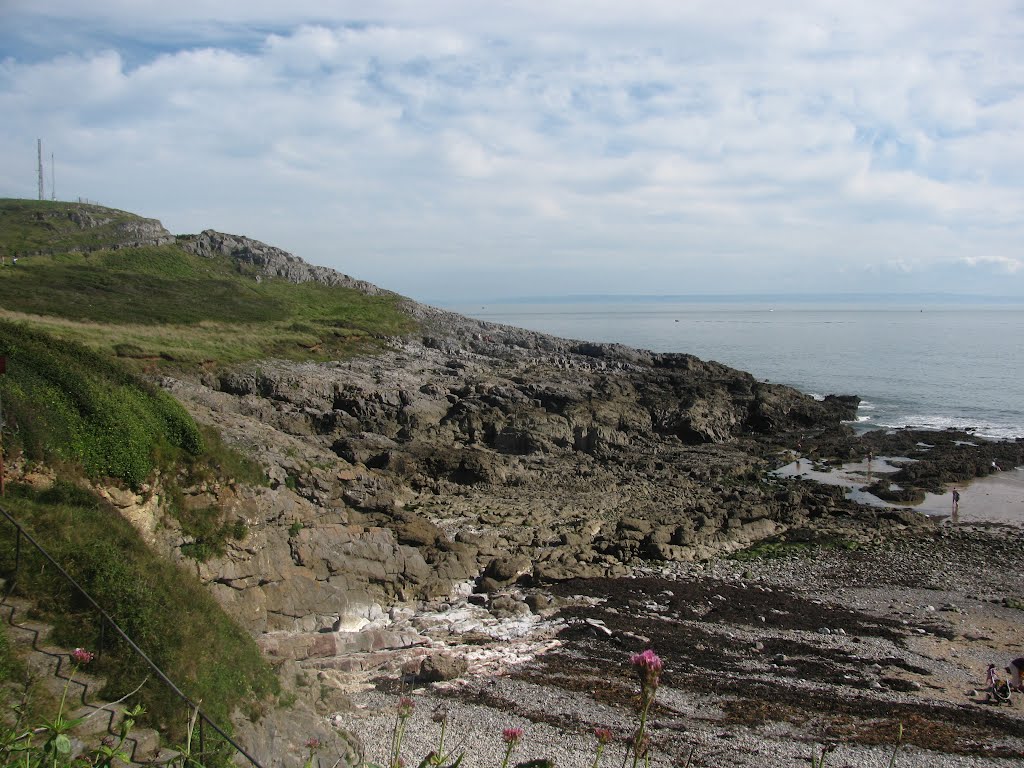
[
  {"x": 497, "y": 518},
  {"x": 492, "y": 520},
  {"x": 766, "y": 659}
]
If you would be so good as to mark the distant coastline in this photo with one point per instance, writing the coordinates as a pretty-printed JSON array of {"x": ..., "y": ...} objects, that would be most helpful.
[
  {"x": 928, "y": 299},
  {"x": 927, "y": 360}
]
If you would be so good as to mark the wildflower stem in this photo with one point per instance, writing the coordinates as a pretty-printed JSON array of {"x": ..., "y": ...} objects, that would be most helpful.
[
  {"x": 641, "y": 731},
  {"x": 511, "y": 737},
  {"x": 508, "y": 753},
  {"x": 440, "y": 741}
]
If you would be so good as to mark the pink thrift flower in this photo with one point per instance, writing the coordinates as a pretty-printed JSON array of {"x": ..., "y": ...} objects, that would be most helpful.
[
  {"x": 82, "y": 656},
  {"x": 648, "y": 665},
  {"x": 313, "y": 744},
  {"x": 405, "y": 706},
  {"x": 604, "y": 735},
  {"x": 512, "y": 735},
  {"x": 647, "y": 660}
]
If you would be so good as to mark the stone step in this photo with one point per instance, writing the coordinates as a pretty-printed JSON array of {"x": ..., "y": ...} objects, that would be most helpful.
[
  {"x": 55, "y": 669},
  {"x": 101, "y": 720},
  {"x": 143, "y": 745},
  {"x": 163, "y": 756}
]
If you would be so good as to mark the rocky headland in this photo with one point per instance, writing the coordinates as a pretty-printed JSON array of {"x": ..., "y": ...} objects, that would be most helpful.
[{"x": 483, "y": 500}]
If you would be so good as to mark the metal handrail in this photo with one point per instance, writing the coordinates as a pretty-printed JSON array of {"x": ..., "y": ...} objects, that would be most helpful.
[{"x": 203, "y": 718}]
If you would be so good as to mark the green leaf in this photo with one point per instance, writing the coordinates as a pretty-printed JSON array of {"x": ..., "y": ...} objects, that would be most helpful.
[{"x": 62, "y": 744}]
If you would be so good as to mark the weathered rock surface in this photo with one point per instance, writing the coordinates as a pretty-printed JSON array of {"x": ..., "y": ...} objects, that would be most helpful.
[
  {"x": 117, "y": 231},
  {"x": 268, "y": 261}
]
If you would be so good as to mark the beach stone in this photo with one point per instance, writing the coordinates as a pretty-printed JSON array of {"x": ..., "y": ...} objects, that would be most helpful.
[
  {"x": 442, "y": 666},
  {"x": 505, "y": 606},
  {"x": 539, "y": 602}
]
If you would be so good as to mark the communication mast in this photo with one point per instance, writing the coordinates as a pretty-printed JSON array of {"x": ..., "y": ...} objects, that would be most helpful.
[
  {"x": 53, "y": 178},
  {"x": 39, "y": 152}
]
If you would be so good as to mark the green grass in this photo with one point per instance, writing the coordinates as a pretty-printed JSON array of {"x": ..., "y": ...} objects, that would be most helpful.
[
  {"x": 84, "y": 415},
  {"x": 12, "y": 669},
  {"x": 160, "y": 305},
  {"x": 164, "y": 609},
  {"x": 66, "y": 405}
]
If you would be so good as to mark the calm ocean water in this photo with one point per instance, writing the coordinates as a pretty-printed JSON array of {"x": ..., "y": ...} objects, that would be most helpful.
[{"x": 932, "y": 366}]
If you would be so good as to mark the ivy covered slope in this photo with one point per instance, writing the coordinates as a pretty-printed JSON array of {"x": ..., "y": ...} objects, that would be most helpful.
[
  {"x": 123, "y": 285},
  {"x": 68, "y": 405}
]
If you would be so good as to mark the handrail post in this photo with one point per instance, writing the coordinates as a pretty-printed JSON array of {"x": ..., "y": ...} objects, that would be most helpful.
[{"x": 17, "y": 554}]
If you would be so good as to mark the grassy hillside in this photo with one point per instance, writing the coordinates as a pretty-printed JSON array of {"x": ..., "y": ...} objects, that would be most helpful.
[
  {"x": 83, "y": 310},
  {"x": 83, "y": 415},
  {"x": 31, "y": 226},
  {"x": 163, "y": 609},
  {"x": 160, "y": 305}
]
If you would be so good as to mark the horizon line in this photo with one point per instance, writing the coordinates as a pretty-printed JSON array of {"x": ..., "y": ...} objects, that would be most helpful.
[{"x": 862, "y": 296}]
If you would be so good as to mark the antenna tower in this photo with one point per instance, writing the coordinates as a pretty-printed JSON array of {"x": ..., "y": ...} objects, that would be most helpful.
[
  {"x": 53, "y": 178},
  {"x": 39, "y": 152}
]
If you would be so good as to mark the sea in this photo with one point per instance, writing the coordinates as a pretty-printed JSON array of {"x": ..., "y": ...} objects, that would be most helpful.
[{"x": 914, "y": 362}]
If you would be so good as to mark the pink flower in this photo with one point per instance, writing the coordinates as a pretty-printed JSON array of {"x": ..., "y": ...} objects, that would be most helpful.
[
  {"x": 405, "y": 706},
  {"x": 82, "y": 656},
  {"x": 647, "y": 660},
  {"x": 604, "y": 735},
  {"x": 313, "y": 743},
  {"x": 648, "y": 665},
  {"x": 512, "y": 735}
]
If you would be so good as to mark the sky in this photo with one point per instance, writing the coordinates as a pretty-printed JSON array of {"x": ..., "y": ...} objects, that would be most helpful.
[{"x": 464, "y": 150}]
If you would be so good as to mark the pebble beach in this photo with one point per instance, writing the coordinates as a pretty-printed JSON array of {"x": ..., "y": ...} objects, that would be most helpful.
[{"x": 767, "y": 661}]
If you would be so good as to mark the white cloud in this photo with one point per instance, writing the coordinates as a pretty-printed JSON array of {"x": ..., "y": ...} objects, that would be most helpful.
[
  {"x": 659, "y": 135},
  {"x": 1005, "y": 264}
]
